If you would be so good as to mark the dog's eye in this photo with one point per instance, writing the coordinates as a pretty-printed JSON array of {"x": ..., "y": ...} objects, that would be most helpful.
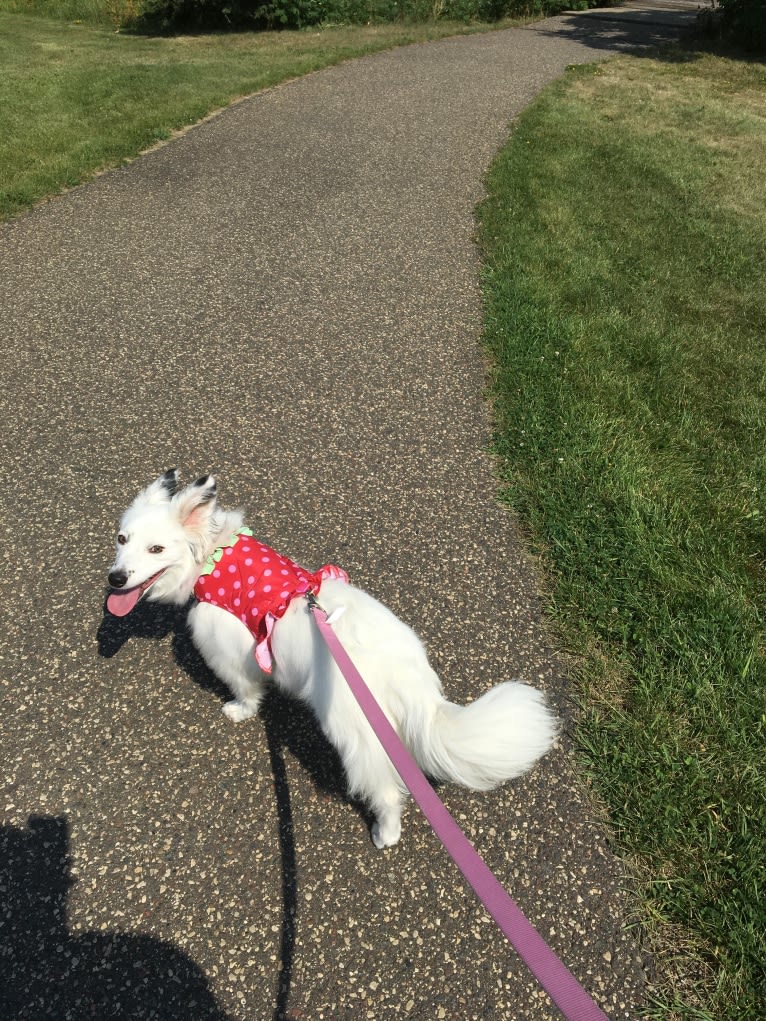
[
  {"x": 121, "y": 539},
  {"x": 156, "y": 549}
]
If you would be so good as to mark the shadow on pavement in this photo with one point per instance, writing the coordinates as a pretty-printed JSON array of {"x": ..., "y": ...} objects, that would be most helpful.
[
  {"x": 48, "y": 972},
  {"x": 289, "y": 726},
  {"x": 288, "y": 723},
  {"x": 620, "y": 28}
]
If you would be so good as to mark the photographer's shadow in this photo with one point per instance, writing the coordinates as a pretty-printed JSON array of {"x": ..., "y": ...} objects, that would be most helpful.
[{"x": 48, "y": 972}]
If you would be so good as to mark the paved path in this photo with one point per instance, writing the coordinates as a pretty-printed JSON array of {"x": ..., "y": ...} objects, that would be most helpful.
[{"x": 286, "y": 295}]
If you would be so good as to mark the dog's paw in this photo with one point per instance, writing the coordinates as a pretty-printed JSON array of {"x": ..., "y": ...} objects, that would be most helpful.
[
  {"x": 238, "y": 711},
  {"x": 385, "y": 836}
]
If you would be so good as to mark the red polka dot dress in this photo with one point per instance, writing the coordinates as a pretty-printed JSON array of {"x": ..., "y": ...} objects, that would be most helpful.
[{"x": 256, "y": 584}]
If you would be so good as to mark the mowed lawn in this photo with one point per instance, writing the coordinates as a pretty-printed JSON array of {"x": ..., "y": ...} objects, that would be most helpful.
[
  {"x": 77, "y": 98},
  {"x": 625, "y": 284}
]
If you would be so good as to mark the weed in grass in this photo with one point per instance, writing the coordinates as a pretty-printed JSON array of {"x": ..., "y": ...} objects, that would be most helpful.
[{"x": 625, "y": 236}]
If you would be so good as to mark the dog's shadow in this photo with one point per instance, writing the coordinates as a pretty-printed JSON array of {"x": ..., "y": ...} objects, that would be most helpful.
[{"x": 288, "y": 724}]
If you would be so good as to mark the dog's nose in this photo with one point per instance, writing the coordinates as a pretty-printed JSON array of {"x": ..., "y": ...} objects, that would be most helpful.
[{"x": 117, "y": 579}]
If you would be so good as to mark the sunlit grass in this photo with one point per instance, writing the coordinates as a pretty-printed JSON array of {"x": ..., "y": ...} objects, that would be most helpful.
[
  {"x": 626, "y": 312},
  {"x": 76, "y": 99}
]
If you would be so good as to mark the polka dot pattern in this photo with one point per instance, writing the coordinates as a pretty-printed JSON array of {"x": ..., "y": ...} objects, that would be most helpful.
[{"x": 256, "y": 584}]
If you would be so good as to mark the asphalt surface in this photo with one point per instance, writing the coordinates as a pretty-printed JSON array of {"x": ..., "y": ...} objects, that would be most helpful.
[{"x": 288, "y": 296}]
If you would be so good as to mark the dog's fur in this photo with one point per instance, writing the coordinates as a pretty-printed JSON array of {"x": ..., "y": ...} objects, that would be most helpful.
[{"x": 165, "y": 537}]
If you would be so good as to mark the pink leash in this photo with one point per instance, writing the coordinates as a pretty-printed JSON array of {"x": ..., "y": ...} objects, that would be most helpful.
[{"x": 559, "y": 983}]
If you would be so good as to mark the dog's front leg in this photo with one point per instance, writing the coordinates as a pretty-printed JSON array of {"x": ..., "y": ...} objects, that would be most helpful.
[{"x": 227, "y": 647}]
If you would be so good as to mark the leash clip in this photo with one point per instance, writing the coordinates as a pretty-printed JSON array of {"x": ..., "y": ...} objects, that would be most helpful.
[{"x": 314, "y": 605}]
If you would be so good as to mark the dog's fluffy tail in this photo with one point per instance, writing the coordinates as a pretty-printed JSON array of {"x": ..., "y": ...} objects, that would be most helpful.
[{"x": 499, "y": 736}]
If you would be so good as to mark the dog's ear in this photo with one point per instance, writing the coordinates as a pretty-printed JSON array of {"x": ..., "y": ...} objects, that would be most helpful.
[
  {"x": 169, "y": 482},
  {"x": 162, "y": 490},
  {"x": 195, "y": 505}
]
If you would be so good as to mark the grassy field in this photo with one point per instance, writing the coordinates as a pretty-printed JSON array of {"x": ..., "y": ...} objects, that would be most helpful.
[
  {"x": 625, "y": 282},
  {"x": 104, "y": 13},
  {"x": 78, "y": 98}
]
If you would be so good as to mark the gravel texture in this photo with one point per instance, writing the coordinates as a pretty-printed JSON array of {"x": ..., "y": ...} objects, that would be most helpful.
[{"x": 286, "y": 295}]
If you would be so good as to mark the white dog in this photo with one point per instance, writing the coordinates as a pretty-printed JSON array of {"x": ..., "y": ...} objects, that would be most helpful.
[{"x": 250, "y": 606}]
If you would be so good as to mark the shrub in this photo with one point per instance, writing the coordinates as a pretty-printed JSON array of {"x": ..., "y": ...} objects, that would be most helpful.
[
  {"x": 205, "y": 15},
  {"x": 744, "y": 22}
]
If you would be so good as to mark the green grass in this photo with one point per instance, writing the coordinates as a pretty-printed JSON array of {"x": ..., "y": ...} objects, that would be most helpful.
[
  {"x": 625, "y": 285},
  {"x": 106, "y": 13},
  {"x": 76, "y": 99}
]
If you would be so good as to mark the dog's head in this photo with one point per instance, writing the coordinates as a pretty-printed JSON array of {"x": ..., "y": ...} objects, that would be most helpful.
[{"x": 163, "y": 537}]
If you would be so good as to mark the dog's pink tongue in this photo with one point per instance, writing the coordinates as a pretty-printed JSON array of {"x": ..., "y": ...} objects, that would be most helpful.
[{"x": 121, "y": 603}]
